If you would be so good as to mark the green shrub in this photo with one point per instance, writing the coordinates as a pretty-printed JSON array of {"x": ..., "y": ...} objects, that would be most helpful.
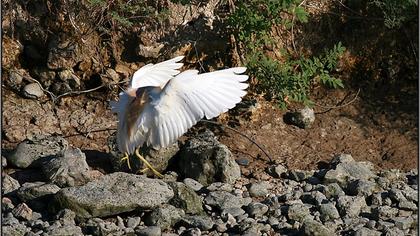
[
  {"x": 291, "y": 79},
  {"x": 397, "y": 12}
]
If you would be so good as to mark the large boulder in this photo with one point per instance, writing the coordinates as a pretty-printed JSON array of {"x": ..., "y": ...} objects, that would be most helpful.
[
  {"x": 113, "y": 194},
  {"x": 206, "y": 160}
]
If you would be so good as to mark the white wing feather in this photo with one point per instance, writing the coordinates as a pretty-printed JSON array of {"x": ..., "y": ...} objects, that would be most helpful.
[
  {"x": 189, "y": 97},
  {"x": 156, "y": 75}
]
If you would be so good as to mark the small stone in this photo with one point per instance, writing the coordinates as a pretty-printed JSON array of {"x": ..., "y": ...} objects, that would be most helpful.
[
  {"x": 363, "y": 187},
  {"x": 164, "y": 216},
  {"x": 376, "y": 199},
  {"x": 259, "y": 189},
  {"x": 185, "y": 198},
  {"x": 312, "y": 227},
  {"x": 35, "y": 190},
  {"x": 366, "y": 232},
  {"x": 302, "y": 118},
  {"x": 67, "y": 169},
  {"x": 351, "y": 206},
  {"x": 300, "y": 175},
  {"x": 224, "y": 200},
  {"x": 29, "y": 151},
  {"x": 347, "y": 170},
  {"x": 298, "y": 212},
  {"x": 221, "y": 227},
  {"x": 66, "y": 217},
  {"x": 332, "y": 191},
  {"x": 328, "y": 212},
  {"x": 407, "y": 205},
  {"x": 393, "y": 231},
  {"x": 6, "y": 204},
  {"x": 9, "y": 184},
  {"x": 218, "y": 186},
  {"x": 113, "y": 75},
  {"x": 403, "y": 223},
  {"x": 150, "y": 231},
  {"x": 3, "y": 161},
  {"x": 242, "y": 161},
  {"x": 384, "y": 212},
  {"x": 202, "y": 222},
  {"x": 192, "y": 232},
  {"x": 22, "y": 211},
  {"x": 33, "y": 90},
  {"x": 256, "y": 209},
  {"x": 278, "y": 170},
  {"x": 193, "y": 184},
  {"x": 236, "y": 211},
  {"x": 132, "y": 222}
]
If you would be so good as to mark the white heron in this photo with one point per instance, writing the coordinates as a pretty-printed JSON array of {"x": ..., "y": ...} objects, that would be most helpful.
[{"x": 161, "y": 103}]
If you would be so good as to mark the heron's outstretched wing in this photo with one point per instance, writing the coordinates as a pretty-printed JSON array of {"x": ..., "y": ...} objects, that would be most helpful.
[
  {"x": 189, "y": 97},
  {"x": 156, "y": 75}
]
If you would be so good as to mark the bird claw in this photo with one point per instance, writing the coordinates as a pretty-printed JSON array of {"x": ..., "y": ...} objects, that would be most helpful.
[
  {"x": 126, "y": 158},
  {"x": 148, "y": 165}
]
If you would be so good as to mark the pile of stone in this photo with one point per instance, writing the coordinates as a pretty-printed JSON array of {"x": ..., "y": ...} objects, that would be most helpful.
[{"x": 207, "y": 196}]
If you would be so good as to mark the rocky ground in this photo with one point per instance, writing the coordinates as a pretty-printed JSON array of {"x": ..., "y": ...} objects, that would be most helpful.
[{"x": 50, "y": 189}]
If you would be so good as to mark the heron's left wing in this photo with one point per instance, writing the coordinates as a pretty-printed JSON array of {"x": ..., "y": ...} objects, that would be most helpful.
[
  {"x": 189, "y": 97},
  {"x": 156, "y": 75}
]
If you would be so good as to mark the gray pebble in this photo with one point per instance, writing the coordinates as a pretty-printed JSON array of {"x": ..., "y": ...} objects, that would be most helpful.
[
  {"x": 149, "y": 231},
  {"x": 259, "y": 189},
  {"x": 256, "y": 209},
  {"x": 193, "y": 184},
  {"x": 132, "y": 222}
]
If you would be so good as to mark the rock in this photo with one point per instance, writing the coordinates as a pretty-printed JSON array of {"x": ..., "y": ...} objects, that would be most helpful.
[
  {"x": 403, "y": 223},
  {"x": 63, "y": 54},
  {"x": 314, "y": 198},
  {"x": 350, "y": 206},
  {"x": 30, "y": 191},
  {"x": 328, "y": 212},
  {"x": 64, "y": 230},
  {"x": 67, "y": 169},
  {"x": 235, "y": 212},
  {"x": 315, "y": 228},
  {"x": 303, "y": 118},
  {"x": 152, "y": 51},
  {"x": 277, "y": 171},
  {"x": 363, "y": 187},
  {"x": 165, "y": 216},
  {"x": 23, "y": 212},
  {"x": 384, "y": 212},
  {"x": 347, "y": 170},
  {"x": 366, "y": 232},
  {"x": 113, "y": 75},
  {"x": 132, "y": 222},
  {"x": 33, "y": 90},
  {"x": 242, "y": 161},
  {"x": 186, "y": 199},
  {"x": 37, "y": 194},
  {"x": 259, "y": 189},
  {"x": 3, "y": 162},
  {"x": 407, "y": 205},
  {"x": 192, "y": 232},
  {"x": 9, "y": 185},
  {"x": 202, "y": 222},
  {"x": 300, "y": 175},
  {"x": 224, "y": 200},
  {"x": 97, "y": 226},
  {"x": 193, "y": 184},
  {"x": 113, "y": 194},
  {"x": 149, "y": 231},
  {"x": 393, "y": 231},
  {"x": 298, "y": 212},
  {"x": 6, "y": 205},
  {"x": 14, "y": 230},
  {"x": 332, "y": 191},
  {"x": 218, "y": 186},
  {"x": 45, "y": 77},
  {"x": 159, "y": 159},
  {"x": 206, "y": 160},
  {"x": 70, "y": 78},
  {"x": 39, "y": 147},
  {"x": 256, "y": 209},
  {"x": 66, "y": 217}
]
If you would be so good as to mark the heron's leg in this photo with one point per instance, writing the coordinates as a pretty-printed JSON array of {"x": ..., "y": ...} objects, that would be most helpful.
[
  {"x": 143, "y": 170},
  {"x": 127, "y": 158},
  {"x": 148, "y": 164}
]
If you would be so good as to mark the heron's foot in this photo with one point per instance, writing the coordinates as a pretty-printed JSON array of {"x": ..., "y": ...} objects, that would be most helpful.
[
  {"x": 143, "y": 171},
  {"x": 126, "y": 158},
  {"x": 155, "y": 172}
]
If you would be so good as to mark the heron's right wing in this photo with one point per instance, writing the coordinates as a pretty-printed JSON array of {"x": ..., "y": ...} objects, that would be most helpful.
[
  {"x": 189, "y": 97},
  {"x": 156, "y": 75}
]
